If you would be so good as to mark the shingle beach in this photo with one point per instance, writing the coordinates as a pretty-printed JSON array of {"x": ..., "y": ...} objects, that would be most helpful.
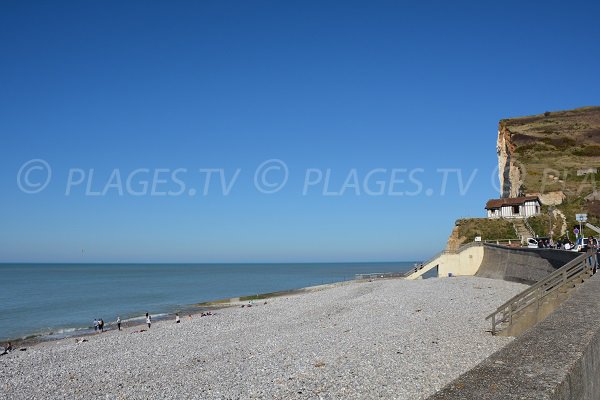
[{"x": 390, "y": 339}]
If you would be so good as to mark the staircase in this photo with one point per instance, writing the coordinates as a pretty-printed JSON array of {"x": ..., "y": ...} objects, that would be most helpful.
[
  {"x": 536, "y": 302},
  {"x": 522, "y": 229}
]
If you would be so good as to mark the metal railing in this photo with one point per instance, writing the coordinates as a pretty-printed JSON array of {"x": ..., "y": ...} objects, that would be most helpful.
[
  {"x": 574, "y": 270},
  {"x": 502, "y": 241},
  {"x": 422, "y": 265},
  {"x": 379, "y": 275},
  {"x": 529, "y": 228}
]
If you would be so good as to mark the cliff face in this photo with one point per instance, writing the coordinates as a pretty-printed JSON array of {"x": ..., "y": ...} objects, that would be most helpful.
[
  {"x": 555, "y": 156},
  {"x": 508, "y": 171},
  {"x": 542, "y": 154}
]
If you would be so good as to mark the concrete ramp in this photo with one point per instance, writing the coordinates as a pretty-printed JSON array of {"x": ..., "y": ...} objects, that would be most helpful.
[
  {"x": 419, "y": 270},
  {"x": 464, "y": 261}
]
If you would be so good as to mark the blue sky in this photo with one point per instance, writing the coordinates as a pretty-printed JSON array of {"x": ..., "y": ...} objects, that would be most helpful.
[{"x": 350, "y": 87}]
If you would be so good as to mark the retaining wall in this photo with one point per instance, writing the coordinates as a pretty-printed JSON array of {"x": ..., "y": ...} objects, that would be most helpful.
[{"x": 521, "y": 264}]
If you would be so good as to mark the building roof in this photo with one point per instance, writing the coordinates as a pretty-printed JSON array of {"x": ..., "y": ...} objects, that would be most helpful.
[{"x": 510, "y": 201}]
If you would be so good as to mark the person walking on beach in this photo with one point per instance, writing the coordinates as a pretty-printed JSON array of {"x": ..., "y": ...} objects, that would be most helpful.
[
  {"x": 148, "y": 320},
  {"x": 7, "y": 349},
  {"x": 101, "y": 324},
  {"x": 95, "y": 325},
  {"x": 119, "y": 322},
  {"x": 177, "y": 320}
]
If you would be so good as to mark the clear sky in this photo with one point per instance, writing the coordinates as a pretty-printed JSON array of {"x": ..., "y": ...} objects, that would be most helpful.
[{"x": 366, "y": 105}]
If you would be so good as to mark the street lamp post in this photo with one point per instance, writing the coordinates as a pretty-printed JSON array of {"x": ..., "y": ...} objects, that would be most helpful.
[{"x": 550, "y": 231}]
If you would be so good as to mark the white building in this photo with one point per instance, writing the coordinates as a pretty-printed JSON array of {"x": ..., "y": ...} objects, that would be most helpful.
[{"x": 514, "y": 207}]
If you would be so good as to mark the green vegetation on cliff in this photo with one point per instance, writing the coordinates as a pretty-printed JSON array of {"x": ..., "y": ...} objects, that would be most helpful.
[
  {"x": 488, "y": 229},
  {"x": 554, "y": 155},
  {"x": 550, "y": 148}
]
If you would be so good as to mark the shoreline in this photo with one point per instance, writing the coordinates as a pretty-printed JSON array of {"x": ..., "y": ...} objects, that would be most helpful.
[
  {"x": 28, "y": 319},
  {"x": 189, "y": 309},
  {"x": 388, "y": 338}
]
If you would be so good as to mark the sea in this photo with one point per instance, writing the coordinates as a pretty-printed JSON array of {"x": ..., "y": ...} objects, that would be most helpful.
[{"x": 50, "y": 301}]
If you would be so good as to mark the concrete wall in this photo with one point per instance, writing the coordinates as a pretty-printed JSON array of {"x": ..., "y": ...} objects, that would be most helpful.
[
  {"x": 521, "y": 264},
  {"x": 558, "y": 359},
  {"x": 500, "y": 262},
  {"x": 467, "y": 262}
]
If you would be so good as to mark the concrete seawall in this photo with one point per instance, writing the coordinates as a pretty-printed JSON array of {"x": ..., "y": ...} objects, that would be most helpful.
[
  {"x": 521, "y": 264},
  {"x": 558, "y": 359}
]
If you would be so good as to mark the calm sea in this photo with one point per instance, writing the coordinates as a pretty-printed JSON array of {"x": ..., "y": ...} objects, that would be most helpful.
[{"x": 60, "y": 299}]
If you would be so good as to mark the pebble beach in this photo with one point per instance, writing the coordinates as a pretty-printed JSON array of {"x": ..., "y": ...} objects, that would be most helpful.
[{"x": 390, "y": 339}]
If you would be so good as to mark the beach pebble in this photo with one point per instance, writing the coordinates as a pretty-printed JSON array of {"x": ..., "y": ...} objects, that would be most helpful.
[{"x": 392, "y": 339}]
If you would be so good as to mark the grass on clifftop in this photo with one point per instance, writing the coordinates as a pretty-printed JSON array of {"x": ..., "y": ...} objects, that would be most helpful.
[
  {"x": 550, "y": 148},
  {"x": 571, "y": 207},
  {"x": 488, "y": 229}
]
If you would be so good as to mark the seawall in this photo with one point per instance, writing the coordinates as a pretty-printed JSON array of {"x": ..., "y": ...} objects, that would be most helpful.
[{"x": 521, "y": 264}]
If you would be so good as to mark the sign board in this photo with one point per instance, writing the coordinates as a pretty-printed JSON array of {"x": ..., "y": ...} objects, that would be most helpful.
[
  {"x": 478, "y": 238},
  {"x": 576, "y": 231},
  {"x": 581, "y": 217}
]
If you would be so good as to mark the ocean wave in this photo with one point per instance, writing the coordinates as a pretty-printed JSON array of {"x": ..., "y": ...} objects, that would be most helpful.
[
  {"x": 65, "y": 332},
  {"x": 142, "y": 318}
]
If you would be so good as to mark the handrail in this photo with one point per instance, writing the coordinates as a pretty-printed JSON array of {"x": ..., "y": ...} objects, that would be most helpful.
[
  {"x": 563, "y": 276},
  {"x": 529, "y": 228},
  {"x": 379, "y": 275},
  {"x": 423, "y": 264},
  {"x": 546, "y": 279},
  {"x": 502, "y": 241},
  {"x": 466, "y": 246}
]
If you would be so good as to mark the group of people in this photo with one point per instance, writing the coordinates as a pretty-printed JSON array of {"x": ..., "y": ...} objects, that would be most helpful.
[
  {"x": 99, "y": 325},
  {"x": 566, "y": 244},
  {"x": 99, "y": 322},
  {"x": 548, "y": 244},
  {"x": 560, "y": 244}
]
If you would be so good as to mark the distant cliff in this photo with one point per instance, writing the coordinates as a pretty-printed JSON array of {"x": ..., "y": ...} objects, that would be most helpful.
[
  {"x": 554, "y": 155},
  {"x": 543, "y": 153}
]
